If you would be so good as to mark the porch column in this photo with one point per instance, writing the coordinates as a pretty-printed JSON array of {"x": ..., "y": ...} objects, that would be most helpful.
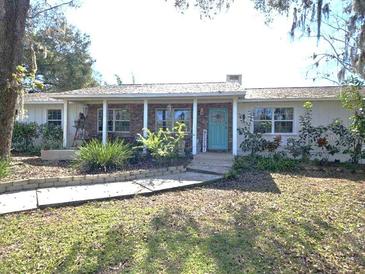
[
  {"x": 145, "y": 117},
  {"x": 195, "y": 126},
  {"x": 105, "y": 122},
  {"x": 65, "y": 119},
  {"x": 234, "y": 125}
]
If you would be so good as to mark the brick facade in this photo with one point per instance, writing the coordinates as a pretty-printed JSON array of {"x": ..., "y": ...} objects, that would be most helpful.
[
  {"x": 136, "y": 119},
  {"x": 136, "y": 122}
]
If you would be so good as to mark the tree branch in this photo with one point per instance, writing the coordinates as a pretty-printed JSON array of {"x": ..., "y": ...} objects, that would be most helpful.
[{"x": 51, "y": 8}]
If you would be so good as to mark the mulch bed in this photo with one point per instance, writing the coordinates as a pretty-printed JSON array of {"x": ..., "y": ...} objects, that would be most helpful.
[{"x": 25, "y": 167}]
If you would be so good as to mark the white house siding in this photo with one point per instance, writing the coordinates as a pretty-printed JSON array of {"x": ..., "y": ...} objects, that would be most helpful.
[
  {"x": 38, "y": 113},
  {"x": 324, "y": 112}
]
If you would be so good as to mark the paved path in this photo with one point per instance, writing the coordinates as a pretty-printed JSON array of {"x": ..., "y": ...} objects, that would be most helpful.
[
  {"x": 19, "y": 201},
  {"x": 26, "y": 200},
  {"x": 211, "y": 162}
]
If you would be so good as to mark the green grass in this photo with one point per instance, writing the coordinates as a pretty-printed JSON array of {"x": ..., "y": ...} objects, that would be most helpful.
[
  {"x": 4, "y": 168},
  {"x": 257, "y": 223}
]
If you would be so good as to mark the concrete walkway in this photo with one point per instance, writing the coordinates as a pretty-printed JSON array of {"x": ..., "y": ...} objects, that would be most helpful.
[
  {"x": 27, "y": 200},
  {"x": 211, "y": 162}
]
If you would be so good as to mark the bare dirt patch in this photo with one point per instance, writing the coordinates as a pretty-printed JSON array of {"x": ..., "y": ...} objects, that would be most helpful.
[
  {"x": 25, "y": 167},
  {"x": 34, "y": 167}
]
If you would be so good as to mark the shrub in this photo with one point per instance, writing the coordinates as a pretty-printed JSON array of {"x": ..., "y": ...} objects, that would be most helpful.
[
  {"x": 276, "y": 163},
  {"x": 95, "y": 156},
  {"x": 273, "y": 145},
  {"x": 354, "y": 101},
  {"x": 310, "y": 137},
  {"x": 4, "y": 168},
  {"x": 308, "y": 134},
  {"x": 253, "y": 142},
  {"x": 164, "y": 144},
  {"x": 24, "y": 135},
  {"x": 30, "y": 138},
  {"x": 52, "y": 136}
]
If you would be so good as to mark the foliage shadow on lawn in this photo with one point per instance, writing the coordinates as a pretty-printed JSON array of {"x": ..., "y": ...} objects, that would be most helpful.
[
  {"x": 176, "y": 242},
  {"x": 111, "y": 254},
  {"x": 327, "y": 174},
  {"x": 249, "y": 182},
  {"x": 176, "y": 239}
]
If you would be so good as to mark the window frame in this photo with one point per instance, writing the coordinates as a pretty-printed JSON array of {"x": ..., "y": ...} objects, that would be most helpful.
[
  {"x": 55, "y": 120},
  {"x": 100, "y": 115},
  {"x": 188, "y": 125},
  {"x": 156, "y": 121},
  {"x": 172, "y": 118},
  {"x": 260, "y": 120},
  {"x": 273, "y": 120}
]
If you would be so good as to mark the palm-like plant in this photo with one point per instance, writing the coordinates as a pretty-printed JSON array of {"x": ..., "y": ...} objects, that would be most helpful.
[{"x": 163, "y": 144}]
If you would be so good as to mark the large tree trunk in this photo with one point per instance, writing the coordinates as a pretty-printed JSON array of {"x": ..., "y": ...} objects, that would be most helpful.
[{"x": 12, "y": 25}]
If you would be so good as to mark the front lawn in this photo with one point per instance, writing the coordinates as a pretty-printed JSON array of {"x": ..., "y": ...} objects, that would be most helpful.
[{"x": 257, "y": 223}]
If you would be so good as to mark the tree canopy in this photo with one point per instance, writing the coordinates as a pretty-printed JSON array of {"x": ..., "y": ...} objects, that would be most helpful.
[{"x": 56, "y": 51}]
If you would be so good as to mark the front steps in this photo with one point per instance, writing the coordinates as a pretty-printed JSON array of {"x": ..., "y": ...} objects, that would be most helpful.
[{"x": 211, "y": 163}]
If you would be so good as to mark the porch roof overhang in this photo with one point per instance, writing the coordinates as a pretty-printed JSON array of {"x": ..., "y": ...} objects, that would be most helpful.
[
  {"x": 298, "y": 99},
  {"x": 142, "y": 96}
]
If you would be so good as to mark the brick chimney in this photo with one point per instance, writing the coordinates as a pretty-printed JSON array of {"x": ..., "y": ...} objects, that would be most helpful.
[{"x": 234, "y": 78}]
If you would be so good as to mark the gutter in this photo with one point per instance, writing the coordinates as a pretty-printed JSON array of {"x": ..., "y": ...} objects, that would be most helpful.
[
  {"x": 287, "y": 99},
  {"x": 157, "y": 95}
]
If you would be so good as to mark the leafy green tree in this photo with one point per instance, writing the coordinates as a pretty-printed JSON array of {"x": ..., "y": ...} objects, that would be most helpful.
[
  {"x": 57, "y": 51},
  {"x": 13, "y": 25}
]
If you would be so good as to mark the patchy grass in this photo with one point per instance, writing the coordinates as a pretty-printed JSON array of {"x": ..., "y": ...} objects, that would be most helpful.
[
  {"x": 4, "y": 168},
  {"x": 257, "y": 223}
]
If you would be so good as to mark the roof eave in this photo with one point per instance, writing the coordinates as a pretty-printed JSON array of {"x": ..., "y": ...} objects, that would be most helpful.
[
  {"x": 157, "y": 95},
  {"x": 43, "y": 103},
  {"x": 300, "y": 99}
]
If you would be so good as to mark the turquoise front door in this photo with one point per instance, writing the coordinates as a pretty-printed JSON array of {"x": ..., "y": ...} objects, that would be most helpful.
[{"x": 217, "y": 129}]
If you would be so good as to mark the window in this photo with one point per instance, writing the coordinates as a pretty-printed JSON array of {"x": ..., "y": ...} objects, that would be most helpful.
[
  {"x": 263, "y": 120},
  {"x": 165, "y": 119},
  {"x": 54, "y": 117},
  {"x": 118, "y": 120},
  {"x": 283, "y": 120},
  {"x": 122, "y": 119},
  {"x": 182, "y": 116},
  {"x": 273, "y": 120}
]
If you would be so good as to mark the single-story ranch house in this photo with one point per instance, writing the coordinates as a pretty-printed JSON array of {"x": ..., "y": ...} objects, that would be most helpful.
[{"x": 210, "y": 110}]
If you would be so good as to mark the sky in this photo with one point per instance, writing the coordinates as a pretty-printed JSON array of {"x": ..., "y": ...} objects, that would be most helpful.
[{"x": 153, "y": 41}]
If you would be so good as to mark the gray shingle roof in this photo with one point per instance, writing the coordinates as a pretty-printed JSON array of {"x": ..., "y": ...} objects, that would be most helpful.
[
  {"x": 323, "y": 92},
  {"x": 40, "y": 98},
  {"x": 190, "y": 89},
  {"x": 174, "y": 89}
]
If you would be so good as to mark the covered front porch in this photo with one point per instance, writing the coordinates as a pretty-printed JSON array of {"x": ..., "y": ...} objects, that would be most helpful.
[{"x": 211, "y": 123}]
